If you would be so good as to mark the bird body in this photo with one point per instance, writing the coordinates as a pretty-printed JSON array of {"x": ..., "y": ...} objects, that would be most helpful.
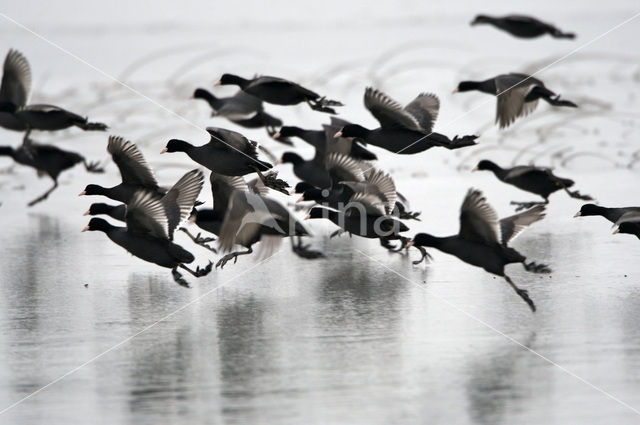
[
  {"x": 522, "y": 26},
  {"x": 517, "y": 94}
]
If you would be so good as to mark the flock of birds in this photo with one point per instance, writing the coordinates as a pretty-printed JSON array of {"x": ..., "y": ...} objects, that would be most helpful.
[{"x": 340, "y": 180}]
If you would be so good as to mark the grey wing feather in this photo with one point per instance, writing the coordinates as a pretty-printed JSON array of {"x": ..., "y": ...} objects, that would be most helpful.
[
  {"x": 231, "y": 140},
  {"x": 16, "y": 79},
  {"x": 628, "y": 217},
  {"x": 371, "y": 204},
  {"x": 512, "y": 226},
  {"x": 223, "y": 186},
  {"x": 424, "y": 109},
  {"x": 180, "y": 199},
  {"x": 343, "y": 168},
  {"x": 478, "y": 220},
  {"x": 146, "y": 214},
  {"x": 385, "y": 184},
  {"x": 388, "y": 112},
  {"x": 511, "y": 90},
  {"x": 134, "y": 169}
]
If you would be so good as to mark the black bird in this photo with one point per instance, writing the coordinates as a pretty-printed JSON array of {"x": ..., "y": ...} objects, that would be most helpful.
[
  {"x": 228, "y": 153},
  {"x": 538, "y": 180},
  {"x": 403, "y": 130},
  {"x": 522, "y": 26},
  {"x": 242, "y": 109},
  {"x": 376, "y": 183},
  {"x": 324, "y": 141},
  {"x": 117, "y": 212},
  {"x": 611, "y": 214},
  {"x": 483, "y": 239},
  {"x": 517, "y": 94},
  {"x": 324, "y": 172},
  {"x": 364, "y": 216},
  {"x": 49, "y": 160},
  {"x": 279, "y": 92},
  {"x": 625, "y": 219},
  {"x": 15, "y": 88},
  {"x": 251, "y": 218},
  {"x": 629, "y": 223},
  {"x": 134, "y": 170},
  {"x": 147, "y": 235}
]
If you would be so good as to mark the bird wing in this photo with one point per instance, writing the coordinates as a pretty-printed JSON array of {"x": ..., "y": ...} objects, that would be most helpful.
[
  {"x": 223, "y": 186},
  {"x": 340, "y": 145},
  {"x": 521, "y": 170},
  {"x": 388, "y": 112},
  {"x": 179, "y": 200},
  {"x": 478, "y": 220},
  {"x": 258, "y": 187},
  {"x": 385, "y": 184},
  {"x": 277, "y": 81},
  {"x": 628, "y": 217},
  {"x": 343, "y": 168},
  {"x": 371, "y": 203},
  {"x": 231, "y": 141},
  {"x": 134, "y": 169},
  {"x": 246, "y": 213},
  {"x": 512, "y": 226},
  {"x": 16, "y": 79},
  {"x": 147, "y": 215},
  {"x": 511, "y": 89},
  {"x": 424, "y": 109},
  {"x": 241, "y": 106}
]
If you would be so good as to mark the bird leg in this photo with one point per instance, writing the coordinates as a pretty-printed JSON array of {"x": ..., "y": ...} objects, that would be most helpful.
[
  {"x": 177, "y": 277},
  {"x": 200, "y": 240},
  {"x": 198, "y": 272},
  {"x": 93, "y": 166},
  {"x": 271, "y": 180},
  {"x": 44, "y": 195},
  {"x": 536, "y": 268},
  {"x": 232, "y": 256},
  {"x": 338, "y": 232},
  {"x": 386, "y": 243},
  {"x": 303, "y": 250},
  {"x": 526, "y": 205},
  {"x": 423, "y": 252},
  {"x": 523, "y": 293}
]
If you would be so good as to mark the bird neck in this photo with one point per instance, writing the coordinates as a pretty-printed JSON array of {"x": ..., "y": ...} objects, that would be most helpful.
[
  {"x": 7, "y": 151},
  {"x": 207, "y": 96}
]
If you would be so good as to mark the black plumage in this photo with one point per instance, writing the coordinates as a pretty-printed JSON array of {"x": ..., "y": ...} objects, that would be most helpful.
[
  {"x": 280, "y": 92},
  {"x": 49, "y": 160},
  {"x": 522, "y": 26},
  {"x": 538, "y": 180},
  {"x": 517, "y": 94},
  {"x": 483, "y": 239},
  {"x": 404, "y": 130}
]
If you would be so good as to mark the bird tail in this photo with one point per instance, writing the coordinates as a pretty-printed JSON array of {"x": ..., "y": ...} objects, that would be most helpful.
[{"x": 559, "y": 34}]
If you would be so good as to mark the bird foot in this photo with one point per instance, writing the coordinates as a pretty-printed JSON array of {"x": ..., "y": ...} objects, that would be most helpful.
[
  {"x": 410, "y": 215},
  {"x": 203, "y": 271},
  {"x": 525, "y": 205},
  {"x": 323, "y": 105},
  {"x": 177, "y": 277},
  {"x": 224, "y": 260},
  {"x": 524, "y": 294},
  {"x": 94, "y": 167},
  {"x": 271, "y": 181},
  {"x": 462, "y": 142},
  {"x": 200, "y": 240},
  {"x": 425, "y": 255},
  {"x": 536, "y": 268},
  {"x": 577, "y": 195}
]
